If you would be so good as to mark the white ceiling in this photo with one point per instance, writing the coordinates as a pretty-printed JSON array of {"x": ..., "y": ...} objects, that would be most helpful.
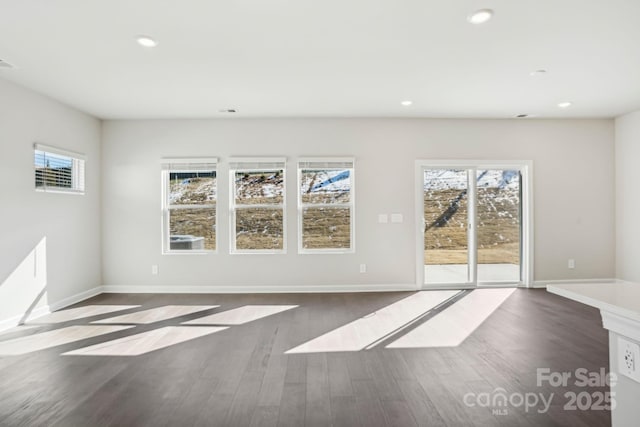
[{"x": 321, "y": 58}]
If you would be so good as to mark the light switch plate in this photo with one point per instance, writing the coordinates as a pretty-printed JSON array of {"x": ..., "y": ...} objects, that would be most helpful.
[
  {"x": 397, "y": 218},
  {"x": 383, "y": 218}
]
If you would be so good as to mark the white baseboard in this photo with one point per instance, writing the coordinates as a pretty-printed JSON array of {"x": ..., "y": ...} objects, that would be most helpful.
[
  {"x": 47, "y": 309},
  {"x": 15, "y": 320},
  {"x": 255, "y": 289},
  {"x": 544, "y": 283},
  {"x": 126, "y": 289},
  {"x": 625, "y": 281},
  {"x": 76, "y": 298}
]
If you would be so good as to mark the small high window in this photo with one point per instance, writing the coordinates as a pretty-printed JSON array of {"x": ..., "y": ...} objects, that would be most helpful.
[{"x": 58, "y": 170}]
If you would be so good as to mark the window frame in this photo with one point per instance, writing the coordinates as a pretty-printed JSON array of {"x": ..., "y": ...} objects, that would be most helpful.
[
  {"x": 78, "y": 170},
  {"x": 327, "y": 163},
  {"x": 185, "y": 165},
  {"x": 525, "y": 167},
  {"x": 256, "y": 164}
]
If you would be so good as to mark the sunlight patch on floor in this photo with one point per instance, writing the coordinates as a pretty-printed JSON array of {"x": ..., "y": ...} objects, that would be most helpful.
[
  {"x": 18, "y": 329},
  {"x": 157, "y": 314},
  {"x": 55, "y": 338},
  {"x": 240, "y": 315},
  {"x": 368, "y": 329},
  {"x": 79, "y": 313},
  {"x": 146, "y": 342},
  {"x": 453, "y": 325}
]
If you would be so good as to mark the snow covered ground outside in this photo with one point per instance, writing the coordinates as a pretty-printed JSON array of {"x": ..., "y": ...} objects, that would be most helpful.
[
  {"x": 331, "y": 181},
  {"x": 444, "y": 179},
  {"x": 192, "y": 191}
]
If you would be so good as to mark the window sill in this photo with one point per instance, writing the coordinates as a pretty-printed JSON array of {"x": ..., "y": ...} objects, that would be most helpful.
[
  {"x": 258, "y": 252},
  {"x": 60, "y": 191},
  {"x": 188, "y": 252},
  {"x": 326, "y": 251}
]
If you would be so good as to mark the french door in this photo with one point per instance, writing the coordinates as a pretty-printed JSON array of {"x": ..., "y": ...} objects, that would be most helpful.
[{"x": 474, "y": 224}]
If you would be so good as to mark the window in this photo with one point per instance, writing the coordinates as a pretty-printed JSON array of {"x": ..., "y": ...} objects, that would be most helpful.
[
  {"x": 58, "y": 170},
  {"x": 189, "y": 205},
  {"x": 474, "y": 223},
  {"x": 325, "y": 205},
  {"x": 257, "y": 205}
]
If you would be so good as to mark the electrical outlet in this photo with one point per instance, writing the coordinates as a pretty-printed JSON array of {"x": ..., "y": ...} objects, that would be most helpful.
[
  {"x": 571, "y": 264},
  {"x": 363, "y": 268},
  {"x": 629, "y": 358},
  {"x": 154, "y": 270}
]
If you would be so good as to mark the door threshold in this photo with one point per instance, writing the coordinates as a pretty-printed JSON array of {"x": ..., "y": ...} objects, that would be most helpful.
[{"x": 440, "y": 287}]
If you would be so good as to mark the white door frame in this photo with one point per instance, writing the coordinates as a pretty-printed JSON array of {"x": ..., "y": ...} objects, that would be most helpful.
[{"x": 526, "y": 169}]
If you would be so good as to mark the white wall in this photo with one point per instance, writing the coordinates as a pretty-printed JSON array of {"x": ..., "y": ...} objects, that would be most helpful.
[
  {"x": 573, "y": 187},
  {"x": 49, "y": 243},
  {"x": 627, "y": 149}
]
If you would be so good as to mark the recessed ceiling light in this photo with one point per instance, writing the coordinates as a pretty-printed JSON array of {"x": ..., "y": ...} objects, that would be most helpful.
[
  {"x": 480, "y": 16},
  {"x": 406, "y": 103},
  {"x": 538, "y": 73},
  {"x": 146, "y": 41},
  {"x": 565, "y": 104}
]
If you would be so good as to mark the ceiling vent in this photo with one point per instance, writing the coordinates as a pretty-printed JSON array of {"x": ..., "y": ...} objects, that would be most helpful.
[{"x": 4, "y": 64}]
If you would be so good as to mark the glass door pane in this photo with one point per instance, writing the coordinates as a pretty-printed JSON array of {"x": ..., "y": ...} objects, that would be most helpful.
[
  {"x": 446, "y": 235},
  {"x": 498, "y": 225}
]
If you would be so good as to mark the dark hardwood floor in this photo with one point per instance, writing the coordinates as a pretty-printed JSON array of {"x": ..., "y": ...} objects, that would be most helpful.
[{"x": 245, "y": 374}]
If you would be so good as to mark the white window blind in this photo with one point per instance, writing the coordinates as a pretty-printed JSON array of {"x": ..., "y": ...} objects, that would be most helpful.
[
  {"x": 58, "y": 170},
  {"x": 189, "y": 164},
  {"x": 337, "y": 163},
  {"x": 257, "y": 163}
]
